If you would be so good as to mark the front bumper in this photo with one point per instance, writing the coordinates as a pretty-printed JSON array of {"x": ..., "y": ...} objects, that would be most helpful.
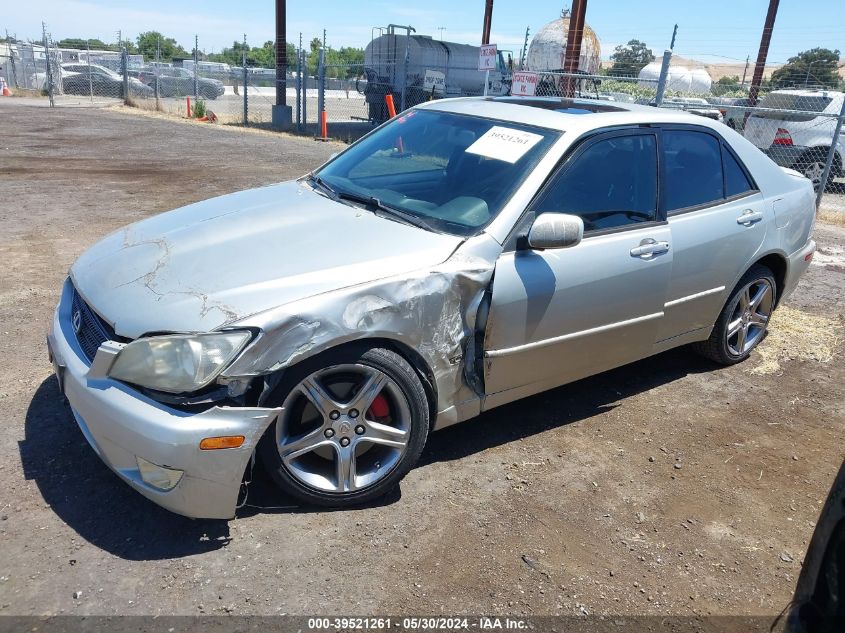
[{"x": 122, "y": 424}]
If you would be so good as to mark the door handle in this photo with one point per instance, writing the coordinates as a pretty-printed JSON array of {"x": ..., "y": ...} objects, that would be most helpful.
[
  {"x": 749, "y": 217},
  {"x": 649, "y": 248}
]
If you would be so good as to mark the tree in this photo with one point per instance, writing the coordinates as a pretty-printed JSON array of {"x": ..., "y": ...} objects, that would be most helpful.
[
  {"x": 725, "y": 85},
  {"x": 313, "y": 58},
  {"x": 148, "y": 41},
  {"x": 815, "y": 67},
  {"x": 81, "y": 44},
  {"x": 258, "y": 57},
  {"x": 630, "y": 59}
]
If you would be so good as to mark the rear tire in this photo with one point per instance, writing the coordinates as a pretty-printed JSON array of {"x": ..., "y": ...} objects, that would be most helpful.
[
  {"x": 354, "y": 422},
  {"x": 811, "y": 165},
  {"x": 742, "y": 324}
]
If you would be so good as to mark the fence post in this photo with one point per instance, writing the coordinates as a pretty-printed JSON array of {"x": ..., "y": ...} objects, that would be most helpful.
[
  {"x": 830, "y": 155},
  {"x": 298, "y": 89},
  {"x": 664, "y": 74},
  {"x": 304, "y": 65},
  {"x": 12, "y": 58},
  {"x": 48, "y": 77},
  {"x": 405, "y": 71},
  {"x": 321, "y": 86},
  {"x": 196, "y": 61},
  {"x": 90, "y": 78},
  {"x": 124, "y": 67},
  {"x": 157, "y": 72},
  {"x": 246, "y": 81}
]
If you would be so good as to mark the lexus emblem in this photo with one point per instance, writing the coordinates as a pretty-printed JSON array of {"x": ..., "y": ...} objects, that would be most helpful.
[{"x": 76, "y": 320}]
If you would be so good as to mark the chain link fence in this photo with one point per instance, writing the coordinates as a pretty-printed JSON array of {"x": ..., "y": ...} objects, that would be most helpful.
[{"x": 797, "y": 127}]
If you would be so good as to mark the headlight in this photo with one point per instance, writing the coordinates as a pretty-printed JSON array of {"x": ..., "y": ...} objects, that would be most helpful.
[{"x": 177, "y": 363}]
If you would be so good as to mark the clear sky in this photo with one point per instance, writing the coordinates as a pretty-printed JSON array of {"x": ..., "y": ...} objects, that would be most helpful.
[{"x": 709, "y": 30}]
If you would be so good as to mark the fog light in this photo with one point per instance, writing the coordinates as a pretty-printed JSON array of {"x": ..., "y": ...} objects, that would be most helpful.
[{"x": 159, "y": 477}]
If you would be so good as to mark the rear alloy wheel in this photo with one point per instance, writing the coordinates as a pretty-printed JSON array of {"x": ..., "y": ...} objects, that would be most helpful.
[
  {"x": 814, "y": 172},
  {"x": 743, "y": 321},
  {"x": 352, "y": 425}
]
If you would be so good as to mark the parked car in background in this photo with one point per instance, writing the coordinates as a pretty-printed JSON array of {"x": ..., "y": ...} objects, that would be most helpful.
[
  {"x": 178, "y": 82},
  {"x": 693, "y": 105},
  {"x": 510, "y": 246},
  {"x": 797, "y": 132},
  {"x": 84, "y": 79},
  {"x": 733, "y": 114}
]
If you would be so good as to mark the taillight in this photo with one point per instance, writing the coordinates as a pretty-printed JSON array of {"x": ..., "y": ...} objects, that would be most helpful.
[{"x": 782, "y": 137}]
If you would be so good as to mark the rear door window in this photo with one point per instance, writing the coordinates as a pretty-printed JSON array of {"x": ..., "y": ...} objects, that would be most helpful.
[{"x": 693, "y": 170}]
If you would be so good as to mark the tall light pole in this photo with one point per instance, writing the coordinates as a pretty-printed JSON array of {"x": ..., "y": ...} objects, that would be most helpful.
[{"x": 282, "y": 113}]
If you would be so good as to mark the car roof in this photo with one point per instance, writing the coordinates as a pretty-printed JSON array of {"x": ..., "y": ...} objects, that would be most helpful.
[
  {"x": 808, "y": 93},
  {"x": 576, "y": 115}
]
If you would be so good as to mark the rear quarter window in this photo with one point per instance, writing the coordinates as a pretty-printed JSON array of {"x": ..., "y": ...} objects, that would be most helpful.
[{"x": 736, "y": 179}]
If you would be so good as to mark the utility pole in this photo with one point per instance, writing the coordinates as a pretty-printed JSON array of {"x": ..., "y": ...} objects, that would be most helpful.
[
  {"x": 441, "y": 29},
  {"x": 745, "y": 72},
  {"x": 572, "y": 54},
  {"x": 760, "y": 66},
  {"x": 282, "y": 115},
  {"x": 488, "y": 21}
]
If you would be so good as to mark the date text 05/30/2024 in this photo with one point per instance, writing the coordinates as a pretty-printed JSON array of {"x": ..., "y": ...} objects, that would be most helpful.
[{"x": 439, "y": 623}]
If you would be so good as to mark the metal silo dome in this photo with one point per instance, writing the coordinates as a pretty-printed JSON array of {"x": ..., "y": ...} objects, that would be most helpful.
[{"x": 548, "y": 46}]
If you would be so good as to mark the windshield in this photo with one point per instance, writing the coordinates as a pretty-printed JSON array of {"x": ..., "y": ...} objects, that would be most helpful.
[{"x": 453, "y": 171}]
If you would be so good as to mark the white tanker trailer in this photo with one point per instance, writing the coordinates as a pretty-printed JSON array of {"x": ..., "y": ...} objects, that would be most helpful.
[{"x": 416, "y": 68}]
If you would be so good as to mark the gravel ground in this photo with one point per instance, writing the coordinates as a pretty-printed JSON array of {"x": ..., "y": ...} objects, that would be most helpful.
[{"x": 665, "y": 487}]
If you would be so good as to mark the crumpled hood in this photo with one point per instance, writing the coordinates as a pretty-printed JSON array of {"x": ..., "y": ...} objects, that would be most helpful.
[{"x": 217, "y": 261}]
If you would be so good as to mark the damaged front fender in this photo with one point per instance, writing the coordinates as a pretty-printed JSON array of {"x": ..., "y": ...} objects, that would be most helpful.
[{"x": 432, "y": 311}]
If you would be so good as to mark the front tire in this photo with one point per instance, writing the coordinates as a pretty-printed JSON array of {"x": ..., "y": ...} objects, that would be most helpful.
[
  {"x": 354, "y": 421},
  {"x": 742, "y": 324}
]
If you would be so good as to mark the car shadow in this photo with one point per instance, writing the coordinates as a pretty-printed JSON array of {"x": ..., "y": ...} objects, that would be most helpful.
[
  {"x": 103, "y": 510},
  {"x": 91, "y": 499},
  {"x": 574, "y": 402}
]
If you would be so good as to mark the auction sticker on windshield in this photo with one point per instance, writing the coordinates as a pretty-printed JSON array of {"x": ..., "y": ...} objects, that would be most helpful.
[{"x": 504, "y": 143}]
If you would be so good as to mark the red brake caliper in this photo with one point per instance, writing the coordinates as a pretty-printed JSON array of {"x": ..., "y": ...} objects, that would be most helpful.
[{"x": 379, "y": 408}]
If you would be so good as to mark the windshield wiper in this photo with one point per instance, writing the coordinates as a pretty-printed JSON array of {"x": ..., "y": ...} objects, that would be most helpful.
[
  {"x": 324, "y": 186},
  {"x": 388, "y": 210}
]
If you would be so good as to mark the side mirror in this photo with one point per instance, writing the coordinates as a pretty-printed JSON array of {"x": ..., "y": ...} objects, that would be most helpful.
[{"x": 555, "y": 230}]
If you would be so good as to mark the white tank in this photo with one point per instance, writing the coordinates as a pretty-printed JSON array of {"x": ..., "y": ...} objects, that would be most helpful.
[
  {"x": 548, "y": 48},
  {"x": 679, "y": 79},
  {"x": 385, "y": 55}
]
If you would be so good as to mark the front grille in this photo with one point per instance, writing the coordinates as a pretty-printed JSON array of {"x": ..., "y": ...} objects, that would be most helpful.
[{"x": 91, "y": 330}]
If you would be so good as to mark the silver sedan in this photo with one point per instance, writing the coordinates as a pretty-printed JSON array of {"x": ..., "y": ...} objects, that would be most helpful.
[{"x": 467, "y": 253}]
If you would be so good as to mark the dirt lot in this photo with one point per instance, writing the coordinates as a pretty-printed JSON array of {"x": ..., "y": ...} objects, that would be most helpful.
[{"x": 666, "y": 487}]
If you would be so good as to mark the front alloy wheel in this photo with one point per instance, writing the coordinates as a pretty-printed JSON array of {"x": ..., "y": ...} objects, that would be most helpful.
[{"x": 352, "y": 424}]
